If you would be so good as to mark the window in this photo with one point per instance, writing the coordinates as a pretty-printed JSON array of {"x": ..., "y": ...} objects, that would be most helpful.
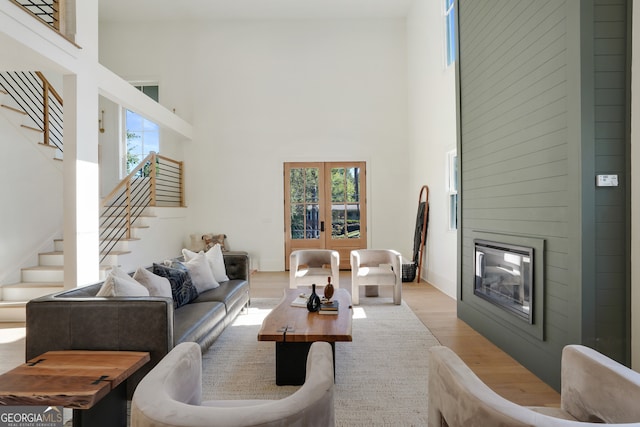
[
  {"x": 142, "y": 136},
  {"x": 450, "y": 31},
  {"x": 452, "y": 188}
]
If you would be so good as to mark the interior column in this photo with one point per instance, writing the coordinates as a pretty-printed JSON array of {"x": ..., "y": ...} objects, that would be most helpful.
[{"x": 81, "y": 183}]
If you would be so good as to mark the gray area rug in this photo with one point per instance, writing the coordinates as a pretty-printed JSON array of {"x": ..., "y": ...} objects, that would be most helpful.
[{"x": 381, "y": 377}]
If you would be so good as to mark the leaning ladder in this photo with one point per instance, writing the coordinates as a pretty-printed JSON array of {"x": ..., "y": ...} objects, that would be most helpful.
[{"x": 423, "y": 198}]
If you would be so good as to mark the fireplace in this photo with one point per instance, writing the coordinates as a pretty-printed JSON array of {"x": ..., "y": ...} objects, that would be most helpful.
[{"x": 504, "y": 276}]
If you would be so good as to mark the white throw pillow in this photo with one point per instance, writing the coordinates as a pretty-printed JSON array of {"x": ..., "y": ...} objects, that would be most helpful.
[
  {"x": 120, "y": 284},
  {"x": 200, "y": 272},
  {"x": 215, "y": 259},
  {"x": 156, "y": 285}
]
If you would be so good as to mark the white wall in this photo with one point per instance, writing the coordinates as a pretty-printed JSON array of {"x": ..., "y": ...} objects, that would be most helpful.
[
  {"x": 432, "y": 133},
  {"x": 31, "y": 194},
  {"x": 262, "y": 93}
]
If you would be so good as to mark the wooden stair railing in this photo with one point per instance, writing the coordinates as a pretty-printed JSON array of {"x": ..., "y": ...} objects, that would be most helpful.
[
  {"x": 51, "y": 12},
  {"x": 33, "y": 93},
  {"x": 156, "y": 181}
]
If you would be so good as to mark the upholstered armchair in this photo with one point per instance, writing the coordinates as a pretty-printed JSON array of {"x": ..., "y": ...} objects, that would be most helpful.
[
  {"x": 594, "y": 390},
  {"x": 309, "y": 266},
  {"x": 373, "y": 268},
  {"x": 170, "y": 395}
]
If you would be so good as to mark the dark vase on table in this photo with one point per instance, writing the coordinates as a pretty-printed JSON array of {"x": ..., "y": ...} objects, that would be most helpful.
[{"x": 313, "y": 304}]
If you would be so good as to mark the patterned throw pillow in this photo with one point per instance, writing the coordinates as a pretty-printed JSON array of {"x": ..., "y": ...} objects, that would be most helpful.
[
  {"x": 210, "y": 240},
  {"x": 182, "y": 289}
]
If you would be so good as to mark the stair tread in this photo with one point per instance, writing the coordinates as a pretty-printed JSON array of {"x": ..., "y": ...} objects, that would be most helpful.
[
  {"x": 52, "y": 253},
  {"x": 124, "y": 216},
  {"x": 45, "y": 267},
  {"x": 117, "y": 253},
  {"x": 13, "y": 109},
  {"x": 13, "y": 303},
  {"x": 35, "y": 285},
  {"x": 132, "y": 226},
  {"x": 42, "y": 144},
  {"x": 32, "y": 128}
]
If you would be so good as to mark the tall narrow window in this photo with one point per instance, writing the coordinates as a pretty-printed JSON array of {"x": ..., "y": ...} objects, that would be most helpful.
[
  {"x": 142, "y": 136},
  {"x": 450, "y": 31},
  {"x": 452, "y": 188}
]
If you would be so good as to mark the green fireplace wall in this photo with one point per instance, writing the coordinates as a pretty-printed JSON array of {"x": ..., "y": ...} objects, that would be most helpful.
[{"x": 542, "y": 109}]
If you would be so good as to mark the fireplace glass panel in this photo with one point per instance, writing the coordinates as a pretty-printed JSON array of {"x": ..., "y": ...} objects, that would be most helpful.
[{"x": 504, "y": 276}]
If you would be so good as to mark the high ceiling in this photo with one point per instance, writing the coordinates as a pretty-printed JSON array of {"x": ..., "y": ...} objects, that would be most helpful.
[{"x": 172, "y": 10}]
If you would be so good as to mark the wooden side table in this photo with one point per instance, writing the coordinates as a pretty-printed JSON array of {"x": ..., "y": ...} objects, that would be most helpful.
[{"x": 92, "y": 383}]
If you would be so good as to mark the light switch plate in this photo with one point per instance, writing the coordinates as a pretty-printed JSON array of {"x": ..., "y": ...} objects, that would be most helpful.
[{"x": 607, "y": 180}]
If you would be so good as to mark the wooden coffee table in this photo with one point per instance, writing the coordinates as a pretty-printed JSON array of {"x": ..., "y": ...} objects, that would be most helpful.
[
  {"x": 91, "y": 382},
  {"x": 294, "y": 329}
]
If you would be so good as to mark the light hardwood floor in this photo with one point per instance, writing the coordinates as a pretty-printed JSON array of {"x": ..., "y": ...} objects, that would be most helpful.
[{"x": 435, "y": 309}]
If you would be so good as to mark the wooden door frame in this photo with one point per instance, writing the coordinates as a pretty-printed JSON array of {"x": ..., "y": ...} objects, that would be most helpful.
[{"x": 345, "y": 246}]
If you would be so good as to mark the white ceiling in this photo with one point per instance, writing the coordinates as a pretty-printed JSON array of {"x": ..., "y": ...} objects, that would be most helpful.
[{"x": 180, "y": 10}]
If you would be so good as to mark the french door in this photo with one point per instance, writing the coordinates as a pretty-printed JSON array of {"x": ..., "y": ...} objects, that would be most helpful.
[{"x": 325, "y": 207}]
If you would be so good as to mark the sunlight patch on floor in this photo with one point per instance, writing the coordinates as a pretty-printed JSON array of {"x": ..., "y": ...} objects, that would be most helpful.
[
  {"x": 255, "y": 316},
  {"x": 359, "y": 313},
  {"x": 9, "y": 335}
]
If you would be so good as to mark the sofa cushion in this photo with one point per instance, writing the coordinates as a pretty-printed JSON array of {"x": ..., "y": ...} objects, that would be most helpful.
[
  {"x": 193, "y": 321},
  {"x": 182, "y": 289},
  {"x": 158, "y": 286},
  {"x": 227, "y": 293}
]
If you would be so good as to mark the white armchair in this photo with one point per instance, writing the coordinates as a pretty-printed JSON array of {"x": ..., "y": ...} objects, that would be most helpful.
[
  {"x": 373, "y": 268},
  {"x": 594, "y": 390},
  {"x": 170, "y": 395},
  {"x": 309, "y": 266}
]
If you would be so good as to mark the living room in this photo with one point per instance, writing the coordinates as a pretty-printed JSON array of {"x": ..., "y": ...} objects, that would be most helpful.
[{"x": 259, "y": 93}]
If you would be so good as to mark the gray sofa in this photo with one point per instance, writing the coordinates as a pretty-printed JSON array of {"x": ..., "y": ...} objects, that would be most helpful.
[{"x": 76, "y": 319}]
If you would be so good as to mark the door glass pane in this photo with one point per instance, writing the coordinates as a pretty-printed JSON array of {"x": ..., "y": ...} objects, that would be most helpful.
[
  {"x": 353, "y": 185},
  {"x": 311, "y": 185},
  {"x": 297, "y": 222},
  {"x": 337, "y": 185},
  {"x": 313, "y": 222},
  {"x": 353, "y": 221},
  {"x": 296, "y": 180},
  {"x": 338, "y": 229}
]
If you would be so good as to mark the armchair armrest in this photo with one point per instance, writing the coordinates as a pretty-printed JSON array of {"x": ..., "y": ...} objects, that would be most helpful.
[{"x": 597, "y": 388}]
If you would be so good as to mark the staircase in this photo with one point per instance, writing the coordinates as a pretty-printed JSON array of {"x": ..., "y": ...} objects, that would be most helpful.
[
  {"x": 48, "y": 276},
  {"x": 21, "y": 120},
  {"x": 156, "y": 181}
]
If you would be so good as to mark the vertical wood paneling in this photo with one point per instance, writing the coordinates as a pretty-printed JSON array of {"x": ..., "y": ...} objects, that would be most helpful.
[
  {"x": 515, "y": 119},
  {"x": 612, "y": 253}
]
